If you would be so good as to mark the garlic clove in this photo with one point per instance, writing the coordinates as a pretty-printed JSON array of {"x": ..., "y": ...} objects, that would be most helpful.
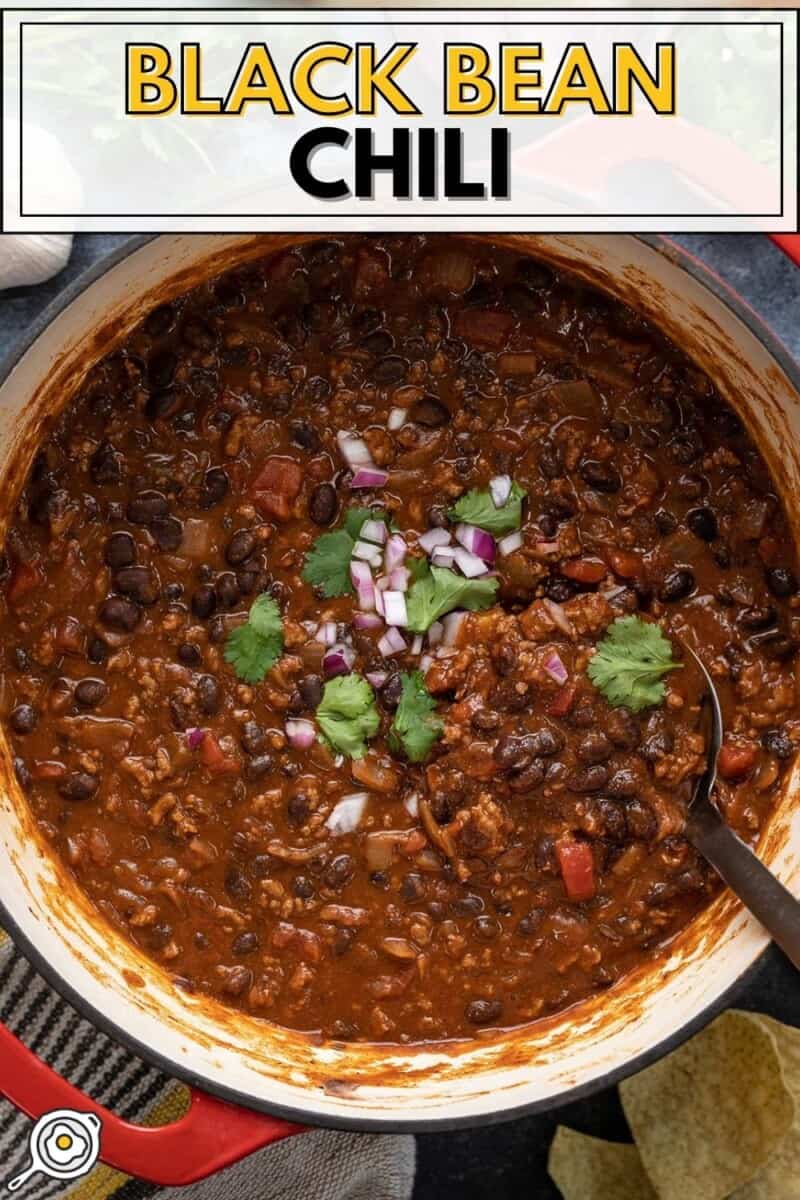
[{"x": 27, "y": 258}]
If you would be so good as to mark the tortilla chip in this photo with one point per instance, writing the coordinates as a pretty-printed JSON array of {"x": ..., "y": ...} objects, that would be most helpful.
[
  {"x": 587, "y": 1168},
  {"x": 710, "y": 1116},
  {"x": 780, "y": 1178}
]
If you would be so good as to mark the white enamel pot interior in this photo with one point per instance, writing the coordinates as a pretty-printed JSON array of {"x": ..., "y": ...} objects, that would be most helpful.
[{"x": 248, "y": 1060}]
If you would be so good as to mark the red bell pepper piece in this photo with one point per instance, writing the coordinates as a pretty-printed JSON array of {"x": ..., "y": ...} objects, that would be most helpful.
[
  {"x": 213, "y": 756},
  {"x": 584, "y": 570},
  {"x": 277, "y": 484},
  {"x": 576, "y": 863},
  {"x": 736, "y": 760}
]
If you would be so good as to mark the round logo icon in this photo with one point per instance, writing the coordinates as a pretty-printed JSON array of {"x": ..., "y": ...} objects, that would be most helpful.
[{"x": 63, "y": 1144}]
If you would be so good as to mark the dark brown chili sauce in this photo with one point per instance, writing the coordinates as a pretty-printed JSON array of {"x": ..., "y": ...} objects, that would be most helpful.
[{"x": 137, "y": 546}]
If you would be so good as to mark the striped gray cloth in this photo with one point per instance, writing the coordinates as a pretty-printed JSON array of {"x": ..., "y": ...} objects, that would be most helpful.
[{"x": 319, "y": 1166}]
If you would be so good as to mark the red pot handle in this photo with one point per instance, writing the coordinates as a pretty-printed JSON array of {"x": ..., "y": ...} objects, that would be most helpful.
[
  {"x": 210, "y": 1136},
  {"x": 789, "y": 243}
]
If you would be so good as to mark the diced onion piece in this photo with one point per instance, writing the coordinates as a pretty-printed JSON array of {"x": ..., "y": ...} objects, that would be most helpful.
[
  {"x": 469, "y": 564},
  {"x": 443, "y": 556},
  {"x": 367, "y": 620},
  {"x": 347, "y": 814},
  {"x": 425, "y": 662},
  {"x": 544, "y": 548},
  {"x": 395, "y": 553},
  {"x": 368, "y": 552},
  {"x": 452, "y": 627},
  {"x": 391, "y": 643},
  {"x": 383, "y": 583},
  {"x": 378, "y": 600},
  {"x": 374, "y": 531},
  {"x": 360, "y": 574},
  {"x": 394, "y": 608},
  {"x": 399, "y": 578},
  {"x": 477, "y": 541},
  {"x": 366, "y": 598},
  {"x": 500, "y": 488},
  {"x": 556, "y": 669},
  {"x": 435, "y": 633},
  {"x": 326, "y": 633},
  {"x": 194, "y": 737},
  {"x": 433, "y": 538},
  {"x": 416, "y": 645},
  {"x": 355, "y": 450},
  {"x": 338, "y": 661},
  {"x": 560, "y": 618},
  {"x": 397, "y": 419},
  {"x": 411, "y": 804},
  {"x": 369, "y": 477},
  {"x": 510, "y": 543},
  {"x": 300, "y": 733},
  {"x": 377, "y": 678}
]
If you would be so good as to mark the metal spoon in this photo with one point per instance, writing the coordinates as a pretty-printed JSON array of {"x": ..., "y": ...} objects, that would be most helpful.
[{"x": 755, "y": 885}]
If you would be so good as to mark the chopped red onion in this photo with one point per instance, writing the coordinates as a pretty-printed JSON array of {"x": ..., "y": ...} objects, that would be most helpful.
[
  {"x": 395, "y": 552},
  {"x": 560, "y": 618},
  {"x": 435, "y": 632},
  {"x": 451, "y": 625},
  {"x": 416, "y": 645},
  {"x": 194, "y": 737},
  {"x": 469, "y": 564},
  {"x": 411, "y": 804},
  {"x": 383, "y": 583},
  {"x": 394, "y": 609},
  {"x": 397, "y": 419},
  {"x": 378, "y": 600},
  {"x": 391, "y": 643},
  {"x": 326, "y": 633},
  {"x": 355, "y": 450},
  {"x": 368, "y": 477},
  {"x": 374, "y": 531},
  {"x": 360, "y": 574},
  {"x": 476, "y": 541},
  {"x": 338, "y": 661},
  {"x": 366, "y": 598},
  {"x": 346, "y": 815},
  {"x": 399, "y": 578},
  {"x": 500, "y": 488},
  {"x": 377, "y": 678},
  {"x": 367, "y": 620},
  {"x": 556, "y": 669},
  {"x": 433, "y": 538},
  {"x": 367, "y": 552},
  {"x": 300, "y": 733},
  {"x": 510, "y": 543},
  {"x": 443, "y": 556}
]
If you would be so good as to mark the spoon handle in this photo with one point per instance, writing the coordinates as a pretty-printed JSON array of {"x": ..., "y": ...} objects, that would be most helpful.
[{"x": 765, "y": 896}]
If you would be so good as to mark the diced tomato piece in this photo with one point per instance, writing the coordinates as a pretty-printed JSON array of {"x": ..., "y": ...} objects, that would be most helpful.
[
  {"x": 484, "y": 327},
  {"x": 25, "y": 578},
  {"x": 563, "y": 701},
  {"x": 737, "y": 759},
  {"x": 277, "y": 484},
  {"x": 625, "y": 563},
  {"x": 584, "y": 570},
  {"x": 48, "y": 769},
  {"x": 576, "y": 863},
  {"x": 213, "y": 756}
]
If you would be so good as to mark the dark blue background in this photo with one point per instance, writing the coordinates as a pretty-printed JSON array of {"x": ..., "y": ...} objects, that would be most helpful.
[{"x": 510, "y": 1159}]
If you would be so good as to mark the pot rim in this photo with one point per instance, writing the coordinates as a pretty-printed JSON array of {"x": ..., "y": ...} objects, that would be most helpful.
[{"x": 727, "y": 296}]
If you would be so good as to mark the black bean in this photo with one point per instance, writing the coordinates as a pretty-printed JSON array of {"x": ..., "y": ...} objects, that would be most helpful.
[
  {"x": 78, "y": 785},
  {"x": 677, "y": 585},
  {"x": 657, "y": 745},
  {"x": 467, "y": 906},
  {"x": 781, "y": 581},
  {"x": 215, "y": 487},
  {"x": 600, "y": 476},
  {"x": 776, "y": 742},
  {"x": 529, "y": 924},
  {"x": 120, "y": 615},
  {"x": 483, "y": 1012},
  {"x": 304, "y": 435},
  {"x": 227, "y": 590},
  {"x": 391, "y": 691},
  {"x": 253, "y": 737},
  {"x": 257, "y": 766},
  {"x": 623, "y": 783},
  {"x": 437, "y": 517},
  {"x": 303, "y": 887},
  {"x": 323, "y": 504},
  {"x": 97, "y": 651},
  {"x": 641, "y": 820},
  {"x": 485, "y": 720},
  {"x": 559, "y": 589},
  {"x": 120, "y": 550},
  {"x": 237, "y": 885},
  {"x": 139, "y": 583},
  {"x": 145, "y": 506},
  {"x": 412, "y": 887},
  {"x": 702, "y": 522},
  {"x": 204, "y": 602},
  {"x": 666, "y": 522},
  {"x": 208, "y": 695},
  {"x": 430, "y": 413},
  {"x": 622, "y": 728},
  {"x": 90, "y": 692},
  {"x": 190, "y": 654},
  {"x": 217, "y": 630},
  {"x": 24, "y": 777},
  {"x": 550, "y": 461},
  {"x": 611, "y": 819},
  {"x": 298, "y": 809},
  {"x": 168, "y": 532},
  {"x": 513, "y": 753},
  {"x": 389, "y": 370},
  {"x": 487, "y": 928},
  {"x": 588, "y": 779},
  {"x": 310, "y": 689},
  {"x": 23, "y": 718},
  {"x": 105, "y": 465},
  {"x": 245, "y": 943},
  {"x": 240, "y": 547},
  {"x": 378, "y": 343},
  {"x": 758, "y": 617},
  {"x": 778, "y": 647},
  {"x": 339, "y": 872},
  {"x": 529, "y": 778},
  {"x": 505, "y": 658},
  {"x": 161, "y": 367},
  {"x": 593, "y": 747}
]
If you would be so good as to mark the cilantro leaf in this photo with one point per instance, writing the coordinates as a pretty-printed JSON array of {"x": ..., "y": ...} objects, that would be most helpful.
[
  {"x": 416, "y": 726},
  {"x": 440, "y": 591},
  {"x": 478, "y": 508},
  {"x": 327, "y": 565},
  {"x": 629, "y": 663},
  {"x": 252, "y": 648},
  {"x": 347, "y": 715}
]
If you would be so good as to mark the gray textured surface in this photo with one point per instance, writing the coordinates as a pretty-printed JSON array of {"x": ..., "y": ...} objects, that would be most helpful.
[{"x": 510, "y": 1160}]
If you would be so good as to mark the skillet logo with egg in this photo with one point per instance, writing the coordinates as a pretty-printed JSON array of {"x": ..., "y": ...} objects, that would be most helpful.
[{"x": 63, "y": 1144}]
